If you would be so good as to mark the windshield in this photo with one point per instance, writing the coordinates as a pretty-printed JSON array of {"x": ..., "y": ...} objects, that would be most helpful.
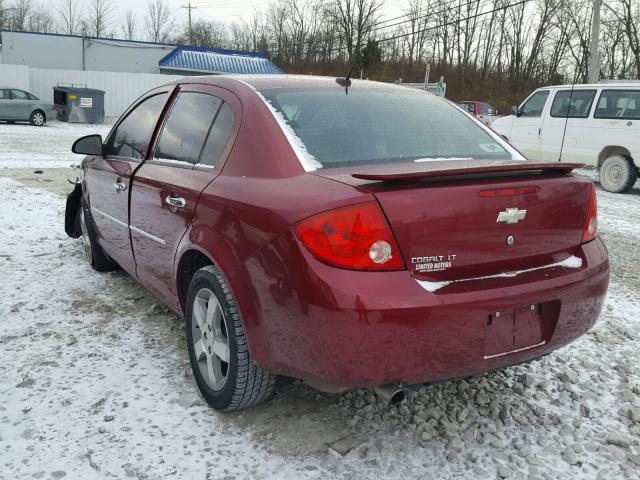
[{"x": 380, "y": 126}]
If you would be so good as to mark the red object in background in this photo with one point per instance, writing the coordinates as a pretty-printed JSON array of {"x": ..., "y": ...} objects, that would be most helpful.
[{"x": 310, "y": 307}]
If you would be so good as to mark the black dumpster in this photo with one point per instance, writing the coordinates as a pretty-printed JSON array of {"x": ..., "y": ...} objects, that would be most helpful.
[{"x": 78, "y": 104}]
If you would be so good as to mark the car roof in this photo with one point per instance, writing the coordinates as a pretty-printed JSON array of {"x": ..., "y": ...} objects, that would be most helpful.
[
  {"x": 263, "y": 82},
  {"x": 604, "y": 84}
]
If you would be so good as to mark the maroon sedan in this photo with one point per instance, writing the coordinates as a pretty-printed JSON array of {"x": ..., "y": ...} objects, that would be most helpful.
[{"x": 346, "y": 233}]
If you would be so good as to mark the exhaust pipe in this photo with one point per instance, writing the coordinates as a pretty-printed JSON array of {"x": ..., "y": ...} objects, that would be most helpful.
[{"x": 392, "y": 394}]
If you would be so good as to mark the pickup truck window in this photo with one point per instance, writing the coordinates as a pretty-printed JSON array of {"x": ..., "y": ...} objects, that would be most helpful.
[
  {"x": 131, "y": 137},
  {"x": 534, "y": 106},
  {"x": 618, "y": 104},
  {"x": 572, "y": 104},
  {"x": 186, "y": 129}
]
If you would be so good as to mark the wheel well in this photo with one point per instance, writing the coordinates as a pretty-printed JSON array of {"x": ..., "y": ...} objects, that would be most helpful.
[
  {"x": 612, "y": 150},
  {"x": 41, "y": 111},
  {"x": 190, "y": 263}
]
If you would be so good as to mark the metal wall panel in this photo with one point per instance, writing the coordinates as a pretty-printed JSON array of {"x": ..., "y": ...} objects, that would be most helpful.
[{"x": 121, "y": 89}]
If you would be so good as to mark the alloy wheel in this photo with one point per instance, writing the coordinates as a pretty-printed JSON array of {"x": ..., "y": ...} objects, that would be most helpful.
[{"x": 210, "y": 339}]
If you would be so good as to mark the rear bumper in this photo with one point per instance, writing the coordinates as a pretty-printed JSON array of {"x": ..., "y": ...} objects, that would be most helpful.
[{"x": 346, "y": 328}]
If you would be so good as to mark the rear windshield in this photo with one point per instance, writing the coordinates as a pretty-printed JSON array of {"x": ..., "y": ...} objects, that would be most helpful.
[{"x": 381, "y": 126}]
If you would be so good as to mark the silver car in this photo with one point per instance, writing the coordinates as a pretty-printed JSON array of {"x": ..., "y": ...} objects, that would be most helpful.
[{"x": 17, "y": 105}]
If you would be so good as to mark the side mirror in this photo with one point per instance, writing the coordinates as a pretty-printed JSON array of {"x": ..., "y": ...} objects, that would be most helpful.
[
  {"x": 515, "y": 111},
  {"x": 89, "y": 145}
]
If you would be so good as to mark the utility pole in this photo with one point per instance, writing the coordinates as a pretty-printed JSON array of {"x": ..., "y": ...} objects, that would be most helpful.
[
  {"x": 594, "y": 54},
  {"x": 189, "y": 8}
]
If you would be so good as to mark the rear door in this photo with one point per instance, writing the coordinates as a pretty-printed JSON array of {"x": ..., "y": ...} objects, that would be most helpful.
[
  {"x": 527, "y": 128},
  {"x": 108, "y": 178},
  {"x": 166, "y": 188}
]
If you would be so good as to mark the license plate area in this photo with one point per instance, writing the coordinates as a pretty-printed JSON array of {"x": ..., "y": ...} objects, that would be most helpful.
[{"x": 512, "y": 330}]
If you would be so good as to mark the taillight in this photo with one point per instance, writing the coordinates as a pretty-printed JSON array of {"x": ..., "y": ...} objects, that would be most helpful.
[
  {"x": 590, "y": 229},
  {"x": 54, "y": 107},
  {"x": 356, "y": 237}
]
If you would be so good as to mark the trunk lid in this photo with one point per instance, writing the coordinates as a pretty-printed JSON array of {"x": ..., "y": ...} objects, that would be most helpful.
[{"x": 479, "y": 218}]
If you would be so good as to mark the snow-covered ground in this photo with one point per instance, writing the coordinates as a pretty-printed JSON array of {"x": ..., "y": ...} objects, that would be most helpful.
[
  {"x": 95, "y": 379},
  {"x": 25, "y": 146}
]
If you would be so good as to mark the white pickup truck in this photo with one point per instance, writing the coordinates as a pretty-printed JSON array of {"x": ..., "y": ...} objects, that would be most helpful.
[{"x": 596, "y": 124}]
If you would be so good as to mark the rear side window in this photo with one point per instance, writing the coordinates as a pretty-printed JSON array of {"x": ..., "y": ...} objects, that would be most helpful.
[
  {"x": 218, "y": 136},
  {"x": 468, "y": 106},
  {"x": 618, "y": 104},
  {"x": 186, "y": 129},
  {"x": 19, "y": 95},
  {"x": 534, "y": 106},
  {"x": 381, "y": 125},
  {"x": 572, "y": 104},
  {"x": 132, "y": 135}
]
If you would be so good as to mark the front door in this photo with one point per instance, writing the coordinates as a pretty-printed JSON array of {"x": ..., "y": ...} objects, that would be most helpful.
[
  {"x": 108, "y": 179},
  {"x": 527, "y": 126},
  {"x": 565, "y": 125},
  {"x": 167, "y": 187},
  {"x": 7, "y": 112}
]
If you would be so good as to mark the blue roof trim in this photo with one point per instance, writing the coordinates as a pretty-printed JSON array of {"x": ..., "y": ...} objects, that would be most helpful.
[{"x": 219, "y": 60}]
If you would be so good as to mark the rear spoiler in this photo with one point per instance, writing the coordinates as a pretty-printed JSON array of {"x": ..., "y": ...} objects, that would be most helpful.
[{"x": 414, "y": 177}]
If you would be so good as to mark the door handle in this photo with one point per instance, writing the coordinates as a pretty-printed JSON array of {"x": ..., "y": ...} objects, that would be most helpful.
[
  {"x": 539, "y": 131},
  {"x": 120, "y": 186},
  {"x": 175, "y": 202}
]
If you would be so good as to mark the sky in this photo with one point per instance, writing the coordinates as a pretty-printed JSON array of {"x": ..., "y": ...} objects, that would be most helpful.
[{"x": 227, "y": 10}]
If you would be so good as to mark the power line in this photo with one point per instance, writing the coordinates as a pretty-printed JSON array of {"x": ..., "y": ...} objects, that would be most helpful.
[{"x": 434, "y": 27}]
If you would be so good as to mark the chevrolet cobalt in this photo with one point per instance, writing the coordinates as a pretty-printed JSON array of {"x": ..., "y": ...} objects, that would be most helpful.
[{"x": 347, "y": 233}]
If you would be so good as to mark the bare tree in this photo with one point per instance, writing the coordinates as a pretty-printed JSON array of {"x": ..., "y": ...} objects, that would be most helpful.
[
  {"x": 68, "y": 12},
  {"x": 100, "y": 13},
  {"x": 355, "y": 19},
  {"x": 159, "y": 21},
  {"x": 129, "y": 25}
]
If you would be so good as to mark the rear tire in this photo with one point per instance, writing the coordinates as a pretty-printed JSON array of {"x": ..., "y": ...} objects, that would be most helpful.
[
  {"x": 37, "y": 118},
  {"x": 224, "y": 371},
  {"x": 618, "y": 174},
  {"x": 96, "y": 257}
]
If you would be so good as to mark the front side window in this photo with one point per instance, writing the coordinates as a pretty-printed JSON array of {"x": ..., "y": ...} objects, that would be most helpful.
[
  {"x": 572, "y": 104},
  {"x": 19, "y": 95},
  {"x": 618, "y": 104},
  {"x": 534, "y": 106},
  {"x": 186, "y": 129},
  {"x": 4, "y": 94},
  {"x": 486, "y": 109},
  {"x": 380, "y": 125},
  {"x": 132, "y": 135}
]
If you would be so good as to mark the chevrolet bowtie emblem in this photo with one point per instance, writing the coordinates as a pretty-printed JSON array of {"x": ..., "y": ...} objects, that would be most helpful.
[{"x": 511, "y": 215}]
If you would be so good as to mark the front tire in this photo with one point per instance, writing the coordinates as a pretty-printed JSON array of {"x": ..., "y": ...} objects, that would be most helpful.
[
  {"x": 618, "y": 174},
  {"x": 96, "y": 257},
  {"x": 37, "y": 118},
  {"x": 224, "y": 371}
]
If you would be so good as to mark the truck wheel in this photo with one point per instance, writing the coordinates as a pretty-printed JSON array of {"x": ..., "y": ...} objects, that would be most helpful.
[
  {"x": 226, "y": 375},
  {"x": 37, "y": 118},
  {"x": 618, "y": 174},
  {"x": 96, "y": 257}
]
